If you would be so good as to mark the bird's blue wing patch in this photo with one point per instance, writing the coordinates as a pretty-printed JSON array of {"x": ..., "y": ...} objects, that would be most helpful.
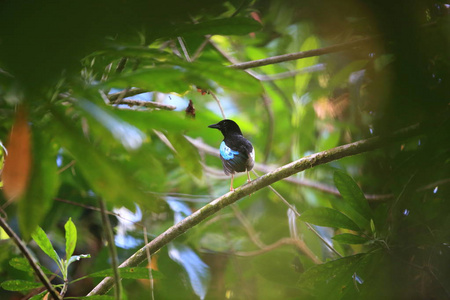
[{"x": 226, "y": 151}]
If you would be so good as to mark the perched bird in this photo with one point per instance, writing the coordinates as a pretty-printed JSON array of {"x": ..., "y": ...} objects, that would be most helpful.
[{"x": 236, "y": 152}]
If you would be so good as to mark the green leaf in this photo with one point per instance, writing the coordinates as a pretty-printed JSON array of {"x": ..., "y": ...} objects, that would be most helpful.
[
  {"x": 355, "y": 204},
  {"x": 39, "y": 296},
  {"x": 44, "y": 243},
  {"x": 20, "y": 263},
  {"x": 348, "y": 238},
  {"x": 328, "y": 280},
  {"x": 187, "y": 155},
  {"x": 106, "y": 177},
  {"x": 20, "y": 285},
  {"x": 128, "y": 273},
  {"x": 235, "y": 80},
  {"x": 128, "y": 135},
  {"x": 229, "y": 26},
  {"x": 71, "y": 237},
  {"x": 43, "y": 184},
  {"x": 328, "y": 217}
]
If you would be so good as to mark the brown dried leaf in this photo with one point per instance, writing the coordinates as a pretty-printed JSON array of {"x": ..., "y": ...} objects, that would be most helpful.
[{"x": 16, "y": 171}]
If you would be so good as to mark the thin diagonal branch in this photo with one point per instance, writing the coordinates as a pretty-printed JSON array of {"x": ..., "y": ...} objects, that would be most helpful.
[
  {"x": 282, "y": 172},
  {"x": 33, "y": 263},
  {"x": 299, "y": 55}
]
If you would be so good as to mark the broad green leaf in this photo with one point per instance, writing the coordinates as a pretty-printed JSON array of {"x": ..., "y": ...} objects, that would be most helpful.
[
  {"x": 20, "y": 263},
  {"x": 348, "y": 238},
  {"x": 355, "y": 203},
  {"x": 328, "y": 217},
  {"x": 44, "y": 243},
  {"x": 186, "y": 153},
  {"x": 229, "y": 26},
  {"x": 235, "y": 80},
  {"x": 161, "y": 79},
  {"x": 43, "y": 184},
  {"x": 329, "y": 279},
  {"x": 71, "y": 237},
  {"x": 128, "y": 135},
  {"x": 106, "y": 177},
  {"x": 128, "y": 273},
  {"x": 20, "y": 285}
]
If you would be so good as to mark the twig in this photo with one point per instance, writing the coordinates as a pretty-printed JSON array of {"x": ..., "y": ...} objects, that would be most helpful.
[
  {"x": 284, "y": 241},
  {"x": 183, "y": 47},
  {"x": 285, "y": 171},
  {"x": 132, "y": 102},
  {"x": 66, "y": 166},
  {"x": 129, "y": 93},
  {"x": 248, "y": 227},
  {"x": 33, "y": 263},
  {"x": 299, "y": 55},
  {"x": 218, "y": 102},
  {"x": 112, "y": 250}
]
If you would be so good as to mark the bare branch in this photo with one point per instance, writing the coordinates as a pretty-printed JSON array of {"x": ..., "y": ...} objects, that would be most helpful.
[
  {"x": 132, "y": 102},
  {"x": 266, "y": 169},
  {"x": 299, "y": 55},
  {"x": 284, "y": 241},
  {"x": 129, "y": 93},
  {"x": 282, "y": 172}
]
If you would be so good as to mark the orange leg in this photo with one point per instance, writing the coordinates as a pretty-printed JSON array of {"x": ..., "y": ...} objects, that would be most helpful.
[{"x": 231, "y": 185}]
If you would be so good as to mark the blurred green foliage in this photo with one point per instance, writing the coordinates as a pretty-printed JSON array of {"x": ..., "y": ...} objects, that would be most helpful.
[{"x": 391, "y": 224}]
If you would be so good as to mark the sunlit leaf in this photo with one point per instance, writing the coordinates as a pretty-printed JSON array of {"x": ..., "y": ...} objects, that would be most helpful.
[
  {"x": 71, "y": 237},
  {"x": 106, "y": 177},
  {"x": 74, "y": 258},
  {"x": 328, "y": 217},
  {"x": 44, "y": 243},
  {"x": 20, "y": 285},
  {"x": 348, "y": 238}
]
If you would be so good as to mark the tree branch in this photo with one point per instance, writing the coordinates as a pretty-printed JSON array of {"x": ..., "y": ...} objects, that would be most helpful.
[
  {"x": 251, "y": 187},
  {"x": 299, "y": 55},
  {"x": 266, "y": 169},
  {"x": 129, "y": 93},
  {"x": 132, "y": 102}
]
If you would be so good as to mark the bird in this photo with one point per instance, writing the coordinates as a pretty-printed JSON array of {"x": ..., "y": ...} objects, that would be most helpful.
[{"x": 236, "y": 152}]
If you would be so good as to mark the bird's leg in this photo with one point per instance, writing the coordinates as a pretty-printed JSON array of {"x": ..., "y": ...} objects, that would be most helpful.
[
  {"x": 248, "y": 177},
  {"x": 231, "y": 185}
]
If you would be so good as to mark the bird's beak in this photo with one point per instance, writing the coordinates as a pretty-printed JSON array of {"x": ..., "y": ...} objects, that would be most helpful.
[{"x": 214, "y": 126}]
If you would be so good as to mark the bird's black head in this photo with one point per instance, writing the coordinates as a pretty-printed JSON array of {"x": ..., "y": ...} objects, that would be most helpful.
[{"x": 227, "y": 127}]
